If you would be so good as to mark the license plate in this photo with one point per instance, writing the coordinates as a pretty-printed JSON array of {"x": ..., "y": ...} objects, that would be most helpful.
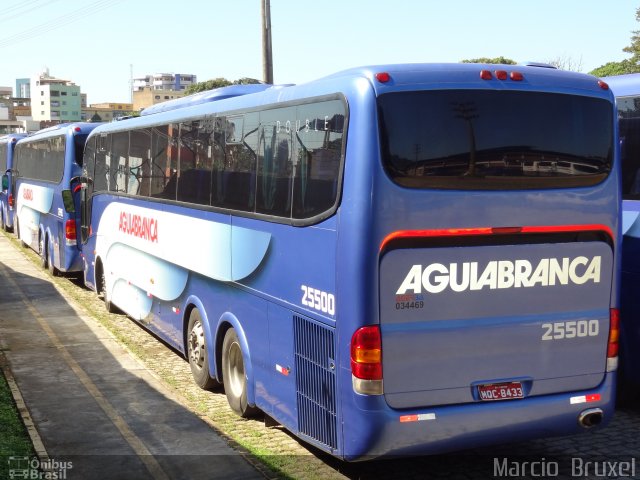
[{"x": 500, "y": 391}]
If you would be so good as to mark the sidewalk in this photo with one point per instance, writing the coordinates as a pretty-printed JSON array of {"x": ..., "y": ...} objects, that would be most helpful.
[{"x": 98, "y": 412}]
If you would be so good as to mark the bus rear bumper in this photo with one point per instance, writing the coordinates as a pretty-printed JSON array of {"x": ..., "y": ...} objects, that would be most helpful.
[{"x": 381, "y": 430}]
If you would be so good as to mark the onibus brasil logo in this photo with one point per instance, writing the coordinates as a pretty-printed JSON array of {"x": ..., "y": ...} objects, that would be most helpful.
[{"x": 32, "y": 468}]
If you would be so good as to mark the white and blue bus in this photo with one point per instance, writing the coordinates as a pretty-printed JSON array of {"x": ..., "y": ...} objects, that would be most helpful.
[
  {"x": 46, "y": 171},
  {"x": 7, "y": 146},
  {"x": 390, "y": 260},
  {"x": 626, "y": 88}
]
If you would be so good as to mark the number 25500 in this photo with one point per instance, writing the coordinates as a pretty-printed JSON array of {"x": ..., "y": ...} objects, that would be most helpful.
[
  {"x": 318, "y": 300},
  {"x": 571, "y": 329}
]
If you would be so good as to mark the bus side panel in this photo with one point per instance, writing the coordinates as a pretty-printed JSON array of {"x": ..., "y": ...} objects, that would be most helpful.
[{"x": 630, "y": 302}]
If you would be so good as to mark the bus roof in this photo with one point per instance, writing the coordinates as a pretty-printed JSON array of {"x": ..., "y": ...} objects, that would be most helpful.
[
  {"x": 11, "y": 136},
  {"x": 624, "y": 85},
  {"x": 63, "y": 128},
  {"x": 206, "y": 96}
]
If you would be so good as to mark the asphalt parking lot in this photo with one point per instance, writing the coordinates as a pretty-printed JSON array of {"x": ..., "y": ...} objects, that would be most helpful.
[{"x": 120, "y": 404}]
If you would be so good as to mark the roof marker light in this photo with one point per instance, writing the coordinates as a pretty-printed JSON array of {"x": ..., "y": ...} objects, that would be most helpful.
[
  {"x": 516, "y": 76},
  {"x": 77, "y": 129},
  {"x": 603, "y": 85},
  {"x": 501, "y": 74},
  {"x": 485, "y": 75},
  {"x": 383, "y": 77}
]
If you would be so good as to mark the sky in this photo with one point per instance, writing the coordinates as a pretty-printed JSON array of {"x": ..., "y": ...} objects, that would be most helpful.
[{"x": 101, "y": 44}]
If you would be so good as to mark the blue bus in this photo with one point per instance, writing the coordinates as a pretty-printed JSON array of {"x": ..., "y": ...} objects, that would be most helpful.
[
  {"x": 46, "y": 172},
  {"x": 7, "y": 145},
  {"x": 626, "y": 89},
  {"x": 397, "y": 259}
]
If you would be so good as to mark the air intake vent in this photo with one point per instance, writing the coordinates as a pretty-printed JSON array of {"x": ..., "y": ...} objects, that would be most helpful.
[{"x": 316, "y": 381}]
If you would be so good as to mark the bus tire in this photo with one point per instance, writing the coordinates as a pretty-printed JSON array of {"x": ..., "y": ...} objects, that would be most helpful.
[
  {"x": 102, "y": 289},
  {"x": 233, "y": 375},
  {"x": 23, "y": 244},
  {"x": 42, "y": 250},
  {"x": 197, "y": 354},
  {"x": 51, "y": 266}
]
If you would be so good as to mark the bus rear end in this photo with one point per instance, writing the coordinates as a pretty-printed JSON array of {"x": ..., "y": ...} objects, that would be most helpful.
[{"x": 495, "y": 216}]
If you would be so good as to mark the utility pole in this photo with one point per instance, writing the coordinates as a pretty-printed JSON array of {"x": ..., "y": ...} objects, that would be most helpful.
[{"x": 267, "y": 57}]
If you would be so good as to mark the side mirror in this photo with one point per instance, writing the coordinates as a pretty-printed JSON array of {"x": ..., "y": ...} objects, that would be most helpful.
[
  {"x": 67, "y": 200},
  {"x": 5, "y": 182}
]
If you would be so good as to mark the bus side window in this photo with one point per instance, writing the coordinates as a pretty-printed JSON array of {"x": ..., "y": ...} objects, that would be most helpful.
[
  {"x": 119, "y": 162},
  {"x": 238, "y": 177},
  {"x": 194, "y": 181},
  {"x": 164, "y": 161},
  {"x": 139, "y": 181},
  {"x": 318, "y": 156},
  {"x": 274, "y": 173},
  {"x": 101, "y": 173}
]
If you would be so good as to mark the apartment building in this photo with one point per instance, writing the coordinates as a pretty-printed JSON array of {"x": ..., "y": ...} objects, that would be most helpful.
[{"x": 54, "y": 100}]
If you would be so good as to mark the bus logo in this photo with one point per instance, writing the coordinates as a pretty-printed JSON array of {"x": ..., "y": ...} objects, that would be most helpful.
[
  {"x": 138, "y": 226},
  {"x": 27, "y": 194},
  {"x": 500, "y": 274}
]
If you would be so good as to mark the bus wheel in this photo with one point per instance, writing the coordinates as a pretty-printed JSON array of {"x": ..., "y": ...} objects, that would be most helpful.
[
  {"x": 111, "y": 308},
  {"x": 44, "y": 256},
  {"x": 52, "y": 268},
  {"x": 197, "y": 352},
  {"x": 233, "y": 376},
  {"x": 22, "y": 242}
]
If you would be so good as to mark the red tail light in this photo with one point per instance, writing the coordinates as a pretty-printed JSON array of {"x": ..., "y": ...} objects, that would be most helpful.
[
  {"x": 366, "y": 353},
  {"x": 501, "y": 75},
  {"x": 383, "y": 77},
  {"x": 70, "y": 230},
  {"x": 614, "y": 333},
  {"x": 10, "y": 200}
]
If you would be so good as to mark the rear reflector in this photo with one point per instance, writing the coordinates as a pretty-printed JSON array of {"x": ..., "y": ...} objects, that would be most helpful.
[
  {"x": 592, "y": 397},
  {"x": 383, "y": 77}
]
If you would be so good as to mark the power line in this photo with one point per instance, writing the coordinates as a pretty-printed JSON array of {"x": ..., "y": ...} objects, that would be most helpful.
[
  {"x": 20, "y": 13},
  {"x": 58, "y": 22}
]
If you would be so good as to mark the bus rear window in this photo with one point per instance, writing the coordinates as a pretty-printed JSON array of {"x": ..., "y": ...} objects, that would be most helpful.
[{"x": 503, "y": 140}]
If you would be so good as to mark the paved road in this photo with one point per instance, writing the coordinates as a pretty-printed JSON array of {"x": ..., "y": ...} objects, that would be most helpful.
[{"x": 98, "y": 411}]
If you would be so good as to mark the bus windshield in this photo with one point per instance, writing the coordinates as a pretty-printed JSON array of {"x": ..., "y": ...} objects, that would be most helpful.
[{"x": 478, "y": 139}]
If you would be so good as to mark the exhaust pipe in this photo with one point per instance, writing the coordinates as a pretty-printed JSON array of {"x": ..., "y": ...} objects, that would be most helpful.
[{"x": 590, "y": 417}]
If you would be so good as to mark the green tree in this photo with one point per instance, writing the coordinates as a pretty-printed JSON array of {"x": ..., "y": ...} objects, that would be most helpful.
[
  {"x": 246, "y": 81},
  {"x": 629, "y": 65},
  {"x": 208, "y": 85},
  {"x": 497, "y": 60},
  {"x": 218, "y": 83},
  {"x": 615, "y": 68}
]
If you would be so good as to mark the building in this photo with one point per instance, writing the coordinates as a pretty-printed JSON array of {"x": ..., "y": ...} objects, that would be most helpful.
[
  {"x": 105, "y": 112},
  {"x": 54, "y": 100},
  {"x": 159, "y": 87},
  {"x": 15, "y": 116},
  {"x": 164, "y": 81},
  {"x": 23, "y": 87}
]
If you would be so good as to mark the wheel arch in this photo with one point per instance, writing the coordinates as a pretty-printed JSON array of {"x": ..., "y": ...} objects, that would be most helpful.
[{"x": 229, "y": 320}]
